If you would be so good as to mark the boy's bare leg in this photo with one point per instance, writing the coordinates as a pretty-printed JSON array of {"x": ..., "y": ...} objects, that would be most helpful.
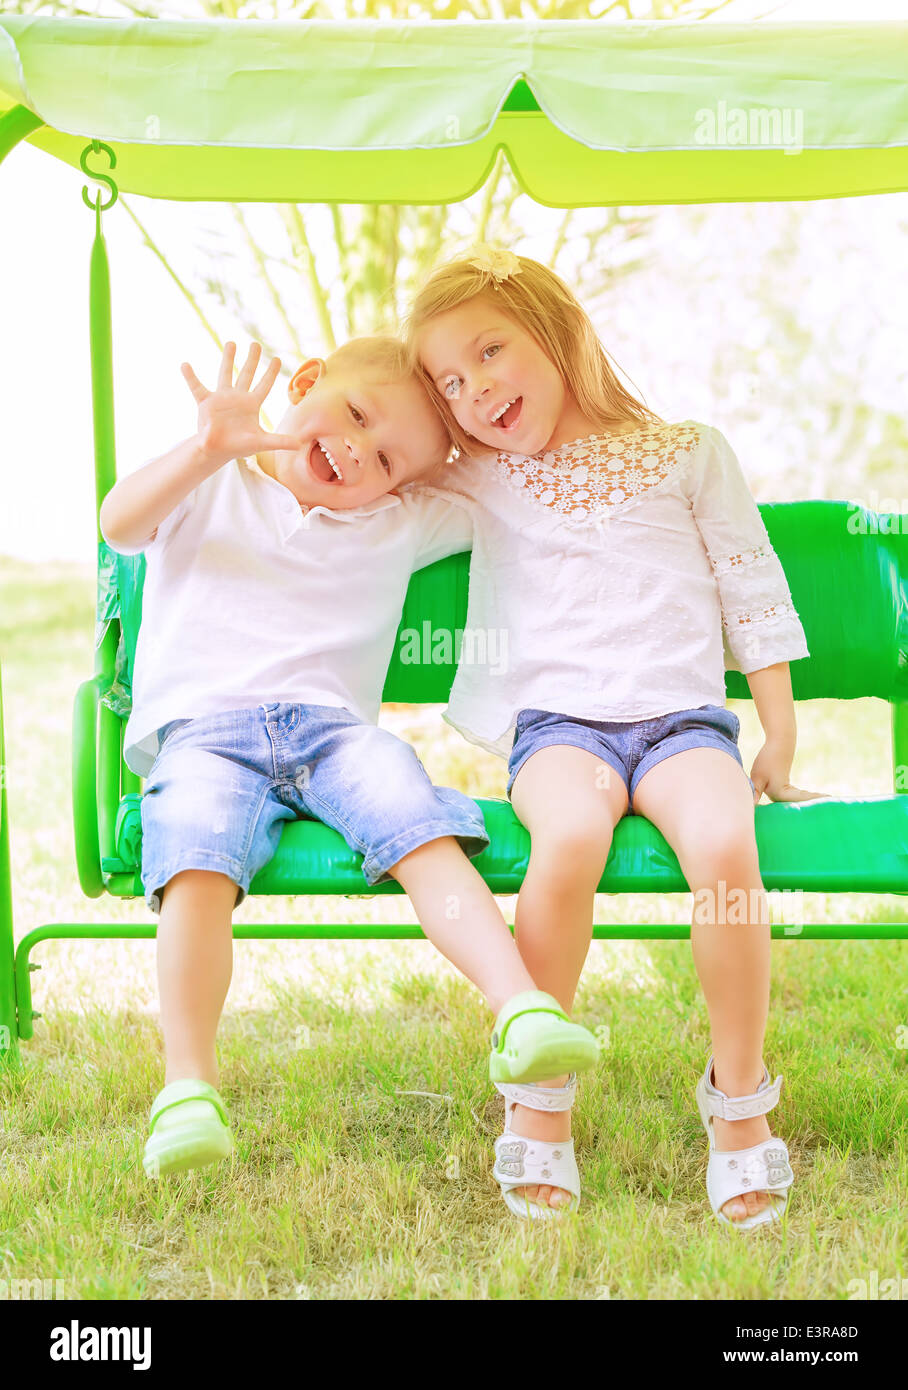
[
  {"x": 460, "y": 916},
  {"x": 195, "y": 962}
]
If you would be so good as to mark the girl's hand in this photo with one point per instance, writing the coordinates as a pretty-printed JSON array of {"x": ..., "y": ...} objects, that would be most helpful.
[
  {"x": 228, "y": 425},
  {"x": 770, "y": 773}
]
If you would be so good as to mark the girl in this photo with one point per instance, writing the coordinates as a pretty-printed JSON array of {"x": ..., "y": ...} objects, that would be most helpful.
[{"x": 628, "y": 563}]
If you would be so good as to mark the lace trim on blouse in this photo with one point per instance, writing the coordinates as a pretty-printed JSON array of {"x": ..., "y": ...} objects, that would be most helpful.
[
  {"x": 590, "y": 476},
  {"x": 728, "y": 564},
  {"x": 772, "y": 613}
]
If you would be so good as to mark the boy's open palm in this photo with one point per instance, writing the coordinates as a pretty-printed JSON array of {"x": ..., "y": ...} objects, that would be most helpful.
[{"x": 229, "y": 425}]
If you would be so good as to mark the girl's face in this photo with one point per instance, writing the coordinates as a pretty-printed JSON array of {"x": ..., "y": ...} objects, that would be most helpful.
[{"x": 496, "y": 380}]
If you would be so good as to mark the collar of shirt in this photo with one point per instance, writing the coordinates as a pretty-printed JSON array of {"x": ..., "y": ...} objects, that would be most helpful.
[{"x": 294, "y": 513}]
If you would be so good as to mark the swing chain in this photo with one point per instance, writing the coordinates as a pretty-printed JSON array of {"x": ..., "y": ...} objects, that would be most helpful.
[{"x": 96, "y": 147}]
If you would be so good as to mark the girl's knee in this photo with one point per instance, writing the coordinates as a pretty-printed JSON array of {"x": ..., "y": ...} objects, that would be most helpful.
[
  {"x": 720, "y": 855},
  {"x": 571, "y": 852}
]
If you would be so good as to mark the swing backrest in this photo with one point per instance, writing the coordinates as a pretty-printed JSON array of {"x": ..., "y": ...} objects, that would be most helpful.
[{"x": 847, "y": 569}]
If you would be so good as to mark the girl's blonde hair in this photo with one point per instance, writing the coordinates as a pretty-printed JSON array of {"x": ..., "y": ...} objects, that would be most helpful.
[{"x": 541, "y": 303}]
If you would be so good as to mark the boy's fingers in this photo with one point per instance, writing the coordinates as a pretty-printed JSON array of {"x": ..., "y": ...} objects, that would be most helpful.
[
  {"x": 247, "y": 371},
  {"x": 268, "y": 380},
  {"x": 225, "y": 377},
  {"x": 195, "y": 386},
  {"x": 281, "y": 441}
]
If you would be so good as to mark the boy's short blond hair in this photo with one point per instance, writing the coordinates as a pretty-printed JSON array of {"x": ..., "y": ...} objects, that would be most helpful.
[
  {"x": 382, "y": 357},
  {"x": 386, "y": 359}
]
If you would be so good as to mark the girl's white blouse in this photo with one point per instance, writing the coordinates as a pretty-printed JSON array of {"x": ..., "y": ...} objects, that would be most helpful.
[{"x": 614, "y": 578}]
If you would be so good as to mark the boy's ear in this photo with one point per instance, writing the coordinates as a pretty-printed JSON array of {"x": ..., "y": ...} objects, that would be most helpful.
[{"x": 304, "y": 378}]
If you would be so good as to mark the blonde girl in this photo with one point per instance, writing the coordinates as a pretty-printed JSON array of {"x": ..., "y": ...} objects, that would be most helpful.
[{"x": 626, "y": 561}]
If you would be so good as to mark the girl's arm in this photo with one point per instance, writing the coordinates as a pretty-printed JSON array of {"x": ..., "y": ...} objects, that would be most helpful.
[
  {"x": 771, "y": 689},
  {"x": 762, "y": 630}
]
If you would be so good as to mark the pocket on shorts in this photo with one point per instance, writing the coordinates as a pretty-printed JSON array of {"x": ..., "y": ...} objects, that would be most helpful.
[
  {"x": 167, "y": 729},
  {"x": 724, "y": 719}
]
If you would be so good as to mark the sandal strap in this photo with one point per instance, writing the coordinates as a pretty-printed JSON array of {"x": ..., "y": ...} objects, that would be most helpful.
[
  {"x": 536, "y": 1097},
  {"x": 762, "y": 1168},
  {"x": 763, "y": 1099},
  {"x": 178, "y": 1091},
  {"x": 521, "y": 1162}
]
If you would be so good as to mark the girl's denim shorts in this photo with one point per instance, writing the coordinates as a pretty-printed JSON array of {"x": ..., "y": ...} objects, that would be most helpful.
[
  {"x": 222, "y": 786},
  {"x": 630, "y": 748}
]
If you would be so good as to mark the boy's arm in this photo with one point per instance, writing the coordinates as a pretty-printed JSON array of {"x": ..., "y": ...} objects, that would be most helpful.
[
  {"x": 228, "y": 428},
  {"x": 137, "y": 504},
  {"x": 445, "y": 524}
]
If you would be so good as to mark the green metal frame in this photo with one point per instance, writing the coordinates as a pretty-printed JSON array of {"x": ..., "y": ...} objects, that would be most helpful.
[
  {"x": 100, "y": 776},
  {"x": 9, "y": 1031}
]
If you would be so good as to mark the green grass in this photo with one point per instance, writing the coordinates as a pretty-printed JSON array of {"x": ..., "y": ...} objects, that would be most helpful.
[{"x": 342, "y": 1185}]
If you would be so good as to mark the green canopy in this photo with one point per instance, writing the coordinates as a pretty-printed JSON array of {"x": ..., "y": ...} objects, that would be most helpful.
[{"x": 589, "y": 113}]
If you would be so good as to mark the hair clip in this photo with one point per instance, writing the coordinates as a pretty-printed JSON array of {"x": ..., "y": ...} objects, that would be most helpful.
[{"x": 495, "y": 261}]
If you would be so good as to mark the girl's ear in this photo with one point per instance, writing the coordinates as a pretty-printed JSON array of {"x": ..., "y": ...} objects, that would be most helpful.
[{"x": 304, "y": 378}]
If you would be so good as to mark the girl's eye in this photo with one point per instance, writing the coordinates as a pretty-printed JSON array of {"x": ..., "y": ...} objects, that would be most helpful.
[
  {"x": 492, "y": 348},
  {"x": 452, "y": 388},
  {"x": 385, "y": 463},
  {"x": 358, "y": 417}
]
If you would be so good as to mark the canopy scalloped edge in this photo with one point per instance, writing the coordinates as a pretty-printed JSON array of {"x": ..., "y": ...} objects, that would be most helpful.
[{"x": 588, "y": 112}]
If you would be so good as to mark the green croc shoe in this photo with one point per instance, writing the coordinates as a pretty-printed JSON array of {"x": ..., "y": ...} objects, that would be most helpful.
[
  {"x": 189, "y": 1129},
  {"x": 534, "y": 1039}
]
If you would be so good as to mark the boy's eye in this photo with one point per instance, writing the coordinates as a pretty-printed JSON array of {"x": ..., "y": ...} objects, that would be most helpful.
[
  {"x": 385, "y": 463},
  {"x": 357, "y": 415},
  {"x": 451, "y": 388}
]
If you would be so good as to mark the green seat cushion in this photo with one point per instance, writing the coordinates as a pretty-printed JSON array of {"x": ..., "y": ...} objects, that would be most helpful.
[{"x": 858, "y": 845}]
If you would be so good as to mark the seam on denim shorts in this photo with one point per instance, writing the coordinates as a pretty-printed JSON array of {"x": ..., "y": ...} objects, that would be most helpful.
[
  {"x": 255, "y": 816},
  {"x": 335, "y": 814},
  {"x": 404, "y": 836},
  {"x": 275, "y": 736},
  {"x": 233, "y": 864},
  {"x": 720, "y": 741}
]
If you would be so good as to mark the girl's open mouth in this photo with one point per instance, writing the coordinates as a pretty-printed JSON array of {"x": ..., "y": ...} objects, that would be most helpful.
[
  {"x": 507, "y": 420},
  {"x": 323, "y": 465}
]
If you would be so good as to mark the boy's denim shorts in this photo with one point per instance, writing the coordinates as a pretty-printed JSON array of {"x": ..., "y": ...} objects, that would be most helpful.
[
  {"x": 222, "y": 786},
  {"x": 630, "y": 748}
]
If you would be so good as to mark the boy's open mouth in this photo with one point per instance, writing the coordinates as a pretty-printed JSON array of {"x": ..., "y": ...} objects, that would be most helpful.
[
  {"x": 507, "y": 414},
  {"x": 323, "y": 465}
]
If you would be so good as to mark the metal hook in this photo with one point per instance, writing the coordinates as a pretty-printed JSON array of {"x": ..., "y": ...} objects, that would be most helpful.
[{"x": 97, "y": 206}]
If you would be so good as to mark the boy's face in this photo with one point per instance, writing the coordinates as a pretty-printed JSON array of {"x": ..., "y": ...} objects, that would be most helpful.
[{"x": 359, "y": 437}]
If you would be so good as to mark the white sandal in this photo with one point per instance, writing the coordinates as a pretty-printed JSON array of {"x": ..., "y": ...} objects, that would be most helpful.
[
  {"x": 525, "y": 1162},
  {"x": 762, "y": 1168}
]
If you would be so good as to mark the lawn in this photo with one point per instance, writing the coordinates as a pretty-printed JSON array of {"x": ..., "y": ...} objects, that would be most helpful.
[{"x": 356, "y": 1074}]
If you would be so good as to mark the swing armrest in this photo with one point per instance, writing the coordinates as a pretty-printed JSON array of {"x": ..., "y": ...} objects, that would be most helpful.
[{"x": 85, "y": 789}]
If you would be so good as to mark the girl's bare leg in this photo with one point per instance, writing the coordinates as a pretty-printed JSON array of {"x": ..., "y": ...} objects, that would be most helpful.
[
  {"x": 702, "y": 802},
  {"x": 570, "y": 801}
]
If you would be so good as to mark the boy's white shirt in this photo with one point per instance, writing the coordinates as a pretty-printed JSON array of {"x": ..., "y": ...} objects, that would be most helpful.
[{"x": 249, "y": 600}]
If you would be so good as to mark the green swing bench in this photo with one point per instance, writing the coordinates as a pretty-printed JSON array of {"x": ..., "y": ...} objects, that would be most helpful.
[{"x": 588, "y": 114}]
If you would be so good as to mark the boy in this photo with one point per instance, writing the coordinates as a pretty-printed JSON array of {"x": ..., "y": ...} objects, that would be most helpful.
[{"x": 276, "y": 568}]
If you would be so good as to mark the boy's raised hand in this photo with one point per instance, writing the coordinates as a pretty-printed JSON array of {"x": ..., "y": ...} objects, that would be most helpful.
[{"x": 229, "y": 425}]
